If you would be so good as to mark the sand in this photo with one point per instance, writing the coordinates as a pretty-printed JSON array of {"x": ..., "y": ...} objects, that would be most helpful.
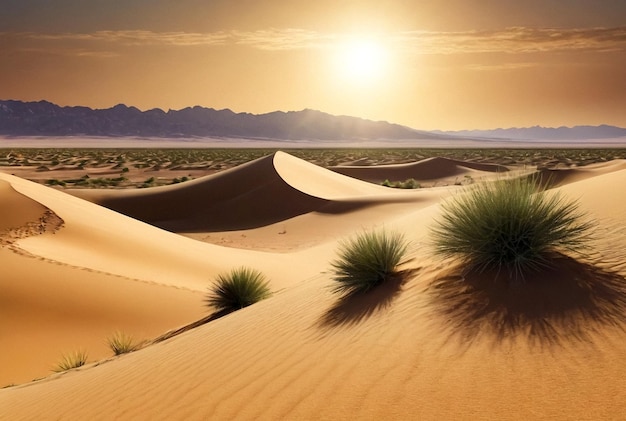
[{"x": 77, "y": 270}]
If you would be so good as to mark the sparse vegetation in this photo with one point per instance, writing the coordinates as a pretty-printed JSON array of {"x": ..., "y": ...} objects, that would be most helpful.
[
  {"x": 409, "y": 183},
  {"x": 71, "y": 360},
  {"x": 368, "y": 260},
  {"x": 510, "y": 224},
  {"x": 121, "y": 343},
  {"x": 237, "y": 289},
  {"x": 176, "y": 164},
  {"x": 55, "y": 182},
  {"x": 180, "y": 180}
]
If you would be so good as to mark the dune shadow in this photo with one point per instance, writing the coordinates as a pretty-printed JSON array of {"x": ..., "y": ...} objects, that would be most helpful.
[
  {"x": 352, "y": 309},
  {"x": 567, "y": 302},
  {"x": 213, "y": 316}
]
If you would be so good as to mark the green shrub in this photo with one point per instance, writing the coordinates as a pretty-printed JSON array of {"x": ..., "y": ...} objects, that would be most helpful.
[
  {"x": 367, "y": 260},
  {"x": 509, "y": 224},
  {"x": 238, "y": 289},
  {"x": 71, "y": 360},
  {"x": 121, "y": 343},
  {"x": 55, "y": 182},
  {"x": 409, "y": 183}
]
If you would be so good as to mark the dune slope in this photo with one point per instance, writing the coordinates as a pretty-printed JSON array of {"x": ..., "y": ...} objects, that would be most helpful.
[
  {"x": 76, "y": 272},
  {"x": 440, "y": 344},
  {"x": 262, "y": 192}
]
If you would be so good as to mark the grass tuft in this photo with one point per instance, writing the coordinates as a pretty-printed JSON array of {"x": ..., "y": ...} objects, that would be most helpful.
[
  {"x": 71, "y": 360},
  {"x": 121, "y": 343},
  {"x": 510, "y": 224},
  {"x": 237, "y": 289},
  {"x": 367, "y": 260}
]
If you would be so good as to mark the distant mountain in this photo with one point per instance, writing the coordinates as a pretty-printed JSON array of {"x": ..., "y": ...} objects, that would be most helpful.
[
  {"x": 43, "y": 118},
  {"x": 543, "y": 133}
]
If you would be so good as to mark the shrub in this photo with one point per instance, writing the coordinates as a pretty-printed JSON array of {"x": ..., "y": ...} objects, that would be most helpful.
[
  {"x": 367, "y": 260},
  {"x": 121, "y": 343},
  {"x": 55, "y": 182},
  {"x": 71, "y": 360},
  {"x": 409, "y": 183},
  {"x": 512, "y": 224},
  {"x": 238, "y": 289}
]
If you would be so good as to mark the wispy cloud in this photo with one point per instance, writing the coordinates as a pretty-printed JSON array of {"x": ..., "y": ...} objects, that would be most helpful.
[
  {"x": 139, "y": 37},
  {"x": 501, "y": 66},
  {"x": 516, "y": 40},
  {"x": 283, "y": 39},
  {"x": 74, "y": 52}
]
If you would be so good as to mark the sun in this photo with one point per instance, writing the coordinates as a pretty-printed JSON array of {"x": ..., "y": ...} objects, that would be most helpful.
[{"x": 361, "y": 61}]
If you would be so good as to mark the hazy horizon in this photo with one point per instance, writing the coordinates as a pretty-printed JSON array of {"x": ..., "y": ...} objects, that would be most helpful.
[{"x": 450, "y": 65}]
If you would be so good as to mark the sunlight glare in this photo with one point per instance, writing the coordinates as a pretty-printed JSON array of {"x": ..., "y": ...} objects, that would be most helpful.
[{"x": 361, "y": 60}]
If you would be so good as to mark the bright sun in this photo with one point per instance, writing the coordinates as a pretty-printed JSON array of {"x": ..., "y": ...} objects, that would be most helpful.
[{"x": 361, "y": 61}]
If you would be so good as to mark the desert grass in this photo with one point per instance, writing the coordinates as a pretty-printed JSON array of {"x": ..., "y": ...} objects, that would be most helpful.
[
  {"x": 510, "y": 224},
  {"x": 409, "y": 183},
  {"x": 367, "y": 260},
  {"x": 121, "y": 343},
  {"x": 71, "y": 360},
  {"x": 237, "y": 289}
]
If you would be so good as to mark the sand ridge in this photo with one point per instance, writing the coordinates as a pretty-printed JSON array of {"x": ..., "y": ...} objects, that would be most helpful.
[
  {"x": 404, "y": 352},
  {"x": 438, "y": 169}
]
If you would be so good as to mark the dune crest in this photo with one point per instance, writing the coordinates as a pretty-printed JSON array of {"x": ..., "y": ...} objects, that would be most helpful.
[
  {"x": 22, "y": 217},
  {"x": 444, "y": 170},
  {"x": 263, "y": 192},
  {"x": 563, "y": 176}
]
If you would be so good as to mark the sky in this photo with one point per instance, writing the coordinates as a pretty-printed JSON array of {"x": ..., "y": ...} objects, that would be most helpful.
[{"x": 426, "y": 64}]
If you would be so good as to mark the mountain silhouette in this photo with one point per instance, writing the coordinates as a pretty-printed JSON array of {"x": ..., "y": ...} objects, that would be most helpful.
[
  {"x": 43, "y": 118},
  {"x": 543, "y": 133}
]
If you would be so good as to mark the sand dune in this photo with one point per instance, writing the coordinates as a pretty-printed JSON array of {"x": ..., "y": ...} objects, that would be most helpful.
[
  {"x": 419, "y": 349},
  {"x": 244, "y": 197},
  {"x": 443, "y": 170},
  {"x": 562, "y": 176}
]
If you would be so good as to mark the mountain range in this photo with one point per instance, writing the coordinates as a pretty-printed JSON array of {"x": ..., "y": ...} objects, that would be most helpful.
[
  {"x": 538, "y": 133},
  {"x": 43, "y": 118}
]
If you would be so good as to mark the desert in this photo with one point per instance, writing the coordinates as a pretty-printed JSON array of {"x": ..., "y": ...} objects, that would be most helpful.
[
  {"x": 312, "y": 210},
  {"x": 81, "y": 264}
]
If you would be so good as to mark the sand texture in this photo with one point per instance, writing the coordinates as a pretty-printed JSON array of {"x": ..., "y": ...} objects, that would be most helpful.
[{"x": 77, "y": 268}]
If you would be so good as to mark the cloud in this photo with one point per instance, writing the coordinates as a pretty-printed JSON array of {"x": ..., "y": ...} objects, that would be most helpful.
[
  {"x": 283, "y": 39},
  {"x": 515, "y": 40},
  {"x": 138, "y": 37},
  {"x": 501, "y": 66}
]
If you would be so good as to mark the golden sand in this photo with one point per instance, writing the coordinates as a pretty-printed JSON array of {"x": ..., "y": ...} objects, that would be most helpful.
[{"x": 428, "y": 347}]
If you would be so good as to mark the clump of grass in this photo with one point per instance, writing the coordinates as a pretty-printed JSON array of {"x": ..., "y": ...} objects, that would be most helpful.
[
  {"x": 409, "y": 183},
  {"x": 71, "y": 360},
  {"x": 121, "y": 343},
  {"x": 510, "y": 224},
  {"x": 237, "y": 289},
  {"x": 368, "y": 260}
]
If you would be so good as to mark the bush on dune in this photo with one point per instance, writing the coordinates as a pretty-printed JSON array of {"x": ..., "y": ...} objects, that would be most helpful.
[
  {"x": 71, "y": 360},
  {"x": 238, "y": 289},
  {"x": 369, "y": 259},
  {"x": 121, "y": 343},
  {"x": 510, "y": 224}
]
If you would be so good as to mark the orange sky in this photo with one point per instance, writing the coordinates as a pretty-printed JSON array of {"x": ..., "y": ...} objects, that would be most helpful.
[{"x": 437, "y": 64}]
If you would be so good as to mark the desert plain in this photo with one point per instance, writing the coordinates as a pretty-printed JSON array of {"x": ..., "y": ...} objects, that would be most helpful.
[{"x": 82, "y": 260}]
